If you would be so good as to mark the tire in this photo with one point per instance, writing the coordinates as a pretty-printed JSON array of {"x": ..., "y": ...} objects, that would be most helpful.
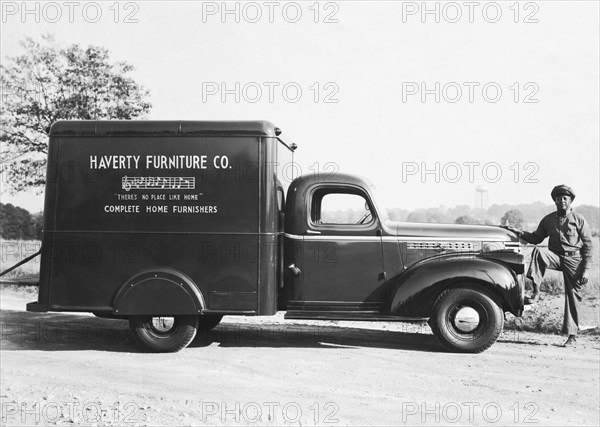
[
  {"x": 163, "y": 334},
  {"x": 208, "y": 322},
  {"x": 466, "y": 320}
]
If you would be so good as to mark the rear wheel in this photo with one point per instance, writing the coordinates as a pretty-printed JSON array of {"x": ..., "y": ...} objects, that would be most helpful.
[
  {"x": 465, "y": 320},
  {"x": 162, "y": 333}
]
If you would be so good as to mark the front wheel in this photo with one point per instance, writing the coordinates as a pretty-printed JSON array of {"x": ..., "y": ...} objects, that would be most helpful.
[
  {"x": 466, "y": 321},
  {"x": 163, "y": 334}
]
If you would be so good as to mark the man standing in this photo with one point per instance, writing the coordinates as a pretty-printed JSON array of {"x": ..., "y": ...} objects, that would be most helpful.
[{"x": 569, "y": 250}]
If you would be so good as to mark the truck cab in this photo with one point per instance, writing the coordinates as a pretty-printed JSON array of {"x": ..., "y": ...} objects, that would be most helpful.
[
  {"x": 363, "y": 266},
  {"x": 191, "y": 223}
]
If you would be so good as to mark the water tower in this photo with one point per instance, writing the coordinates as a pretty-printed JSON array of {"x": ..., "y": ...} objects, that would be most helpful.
[{"x": 481, "y": 197}]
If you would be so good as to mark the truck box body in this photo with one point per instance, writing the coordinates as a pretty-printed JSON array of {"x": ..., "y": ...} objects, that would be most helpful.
[{"x": 198, "y": 197}]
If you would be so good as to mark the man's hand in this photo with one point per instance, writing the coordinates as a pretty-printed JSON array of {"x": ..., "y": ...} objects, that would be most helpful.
[
  {"x": 513, "y": 229},
  {"x": 583, "y": 279}
]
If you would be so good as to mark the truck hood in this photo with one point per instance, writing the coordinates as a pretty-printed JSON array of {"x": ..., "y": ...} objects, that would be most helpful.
[{"x": 428, "y": 231}]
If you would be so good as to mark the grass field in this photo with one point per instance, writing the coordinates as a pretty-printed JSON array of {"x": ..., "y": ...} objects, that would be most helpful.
[{"x": 545, "y": 316}]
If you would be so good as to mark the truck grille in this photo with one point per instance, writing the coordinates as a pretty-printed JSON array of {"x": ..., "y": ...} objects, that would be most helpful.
[
  {"x": 449, "y": 246},
  {"x": 513, "y": 246}
]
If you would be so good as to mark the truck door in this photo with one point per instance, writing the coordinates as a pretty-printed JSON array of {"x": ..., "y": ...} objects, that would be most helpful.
[{"x": 342, "y": 247}]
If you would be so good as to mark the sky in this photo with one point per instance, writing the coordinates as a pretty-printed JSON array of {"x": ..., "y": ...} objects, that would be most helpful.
[{"x": 430, "y": 101}]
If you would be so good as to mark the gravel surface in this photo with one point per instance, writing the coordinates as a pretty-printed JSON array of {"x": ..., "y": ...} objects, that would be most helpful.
[{"x": 78, "y": 369}]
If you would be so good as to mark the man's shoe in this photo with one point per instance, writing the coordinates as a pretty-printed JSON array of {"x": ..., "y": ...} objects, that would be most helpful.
[
  {"x": 530, "y": 299},
  {"x": 570, "y": 342}
]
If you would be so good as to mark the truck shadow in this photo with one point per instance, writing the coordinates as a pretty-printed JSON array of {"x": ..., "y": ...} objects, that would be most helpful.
[
  {"x": 302, "y": 335},
  {"x": 71, "y": 332},
  {"x": 21, "y": 330}
]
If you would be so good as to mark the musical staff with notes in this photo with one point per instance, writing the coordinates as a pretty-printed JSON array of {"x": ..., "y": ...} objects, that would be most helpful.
[{"x": 158, "y": 183}]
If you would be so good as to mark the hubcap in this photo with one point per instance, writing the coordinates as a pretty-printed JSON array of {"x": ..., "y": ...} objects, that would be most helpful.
[
  {"x": 466, "y": 319},
  {"x": 163, "y": 325}
]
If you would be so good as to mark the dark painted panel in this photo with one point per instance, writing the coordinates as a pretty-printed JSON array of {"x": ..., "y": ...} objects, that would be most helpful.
[
  {"x": 268, "y": 283},
  {"x": 417, "y": 288},
  {"x": 341, "y": 270},
  {"x": 292, "y": 287},
  {"x": 156, "y": 296},
  {"x": 242, "y": 301},
  {"x": 89, "y": 268},
  {"x": 185, "y": 191},
  {"x": 268, "y": 227},
  {"x": 392, "y": 258}
]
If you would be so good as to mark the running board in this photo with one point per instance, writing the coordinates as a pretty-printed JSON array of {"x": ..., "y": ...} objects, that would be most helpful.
[{"x": 366, "y": 316}]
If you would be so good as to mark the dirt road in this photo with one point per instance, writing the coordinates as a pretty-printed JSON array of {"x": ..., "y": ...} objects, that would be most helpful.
[{"x": 65, "y": 368}]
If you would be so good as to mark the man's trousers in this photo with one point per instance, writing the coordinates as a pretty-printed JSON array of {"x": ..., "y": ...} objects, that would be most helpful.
[{"x": 541, "y": 259}]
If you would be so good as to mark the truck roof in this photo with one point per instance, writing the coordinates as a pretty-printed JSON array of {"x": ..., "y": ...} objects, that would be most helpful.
[
  {"x": 302, "y": 183},
  {"x": 75, "y": 128}
]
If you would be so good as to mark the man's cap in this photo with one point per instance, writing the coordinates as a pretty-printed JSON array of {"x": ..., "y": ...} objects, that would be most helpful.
[{"x": 559, "y": 190}]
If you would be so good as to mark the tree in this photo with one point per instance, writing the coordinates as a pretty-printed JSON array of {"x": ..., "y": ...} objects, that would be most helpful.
[
  {"x": 467, "y": 219},
  {"x": 513, "y": 217},
  {"x": 48, "y": 83},
  {"x": 435, "y": 215},
  {"x": 398, "y": 214},
  {"x": 16, "y": 223},
  {"x": 38, "y": 224},
  {"x": 460, "y": 210}
]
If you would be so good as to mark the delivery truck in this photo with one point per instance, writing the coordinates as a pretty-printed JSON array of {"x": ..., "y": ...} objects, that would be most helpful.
[{"x": 174, "y": 224}]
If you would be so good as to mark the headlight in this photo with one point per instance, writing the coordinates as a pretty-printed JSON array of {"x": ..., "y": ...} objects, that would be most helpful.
[
  {"x": 493, "y": 246},
  {"x": 501, "y": 246}
]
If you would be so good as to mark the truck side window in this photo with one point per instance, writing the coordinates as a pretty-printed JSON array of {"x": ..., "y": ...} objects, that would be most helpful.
[{"x": 340, "y": 208}]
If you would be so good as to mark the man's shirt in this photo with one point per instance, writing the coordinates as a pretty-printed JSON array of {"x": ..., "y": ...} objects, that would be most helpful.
[{"x": 568, "y": 232}]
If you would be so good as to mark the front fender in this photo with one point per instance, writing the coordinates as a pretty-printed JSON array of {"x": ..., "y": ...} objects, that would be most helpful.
[{"x": 415, "y": 290}]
